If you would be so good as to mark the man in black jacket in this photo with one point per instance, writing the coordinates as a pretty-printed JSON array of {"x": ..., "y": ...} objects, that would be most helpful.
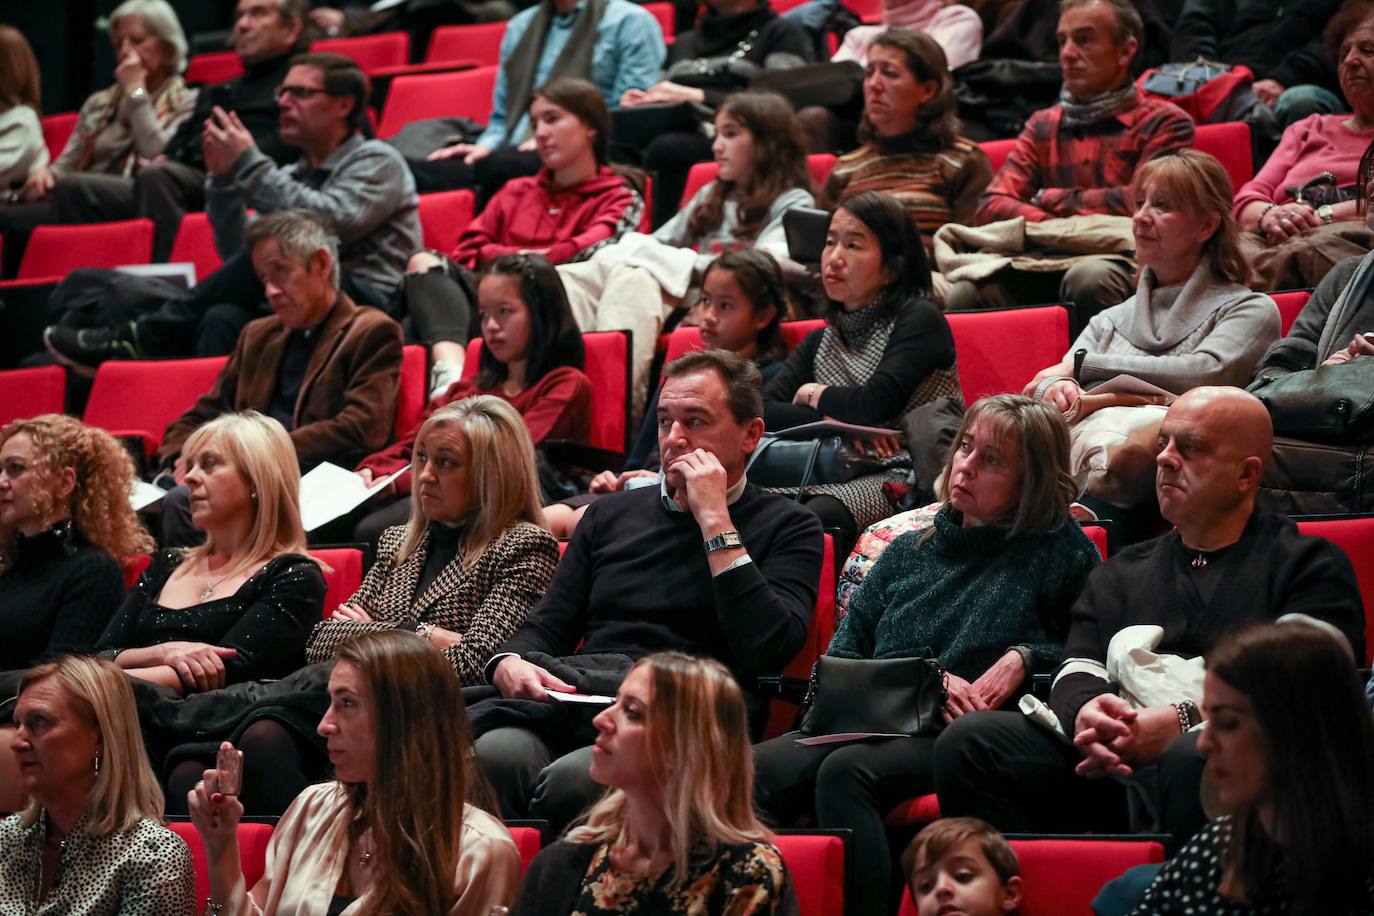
[
  {"x": 266, "y": 35},
  {"x": 1224, "y": 567},
  {"x": 703, "y": 563}
]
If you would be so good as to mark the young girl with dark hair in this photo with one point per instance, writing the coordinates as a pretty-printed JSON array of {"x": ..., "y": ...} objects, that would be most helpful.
[
  {"x": 575, "y": 204},
  {"x": 532, "y": 356},
  {"x": 740, "y": 309}
]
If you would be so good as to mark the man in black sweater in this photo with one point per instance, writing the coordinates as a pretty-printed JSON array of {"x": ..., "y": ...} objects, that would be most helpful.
[
  {"x": 1222, "y": 568},
  {"x": 704, "y": 563},
  {"x": 266, "y": 35}
]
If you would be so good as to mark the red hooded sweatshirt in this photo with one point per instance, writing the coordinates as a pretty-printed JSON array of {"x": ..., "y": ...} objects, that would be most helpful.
[{"x": 530, "y": 213}]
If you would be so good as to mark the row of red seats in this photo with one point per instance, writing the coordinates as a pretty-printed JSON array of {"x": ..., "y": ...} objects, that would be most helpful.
[{"x": 1061, "y": 875}]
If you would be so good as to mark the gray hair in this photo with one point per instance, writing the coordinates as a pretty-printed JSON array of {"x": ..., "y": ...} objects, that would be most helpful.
[
  {"x": 299, "y": 233},
  {"x": 1128, "y": 22},
  {"x": 161, "y": 20},
  {"x": 295, "y": 10}
]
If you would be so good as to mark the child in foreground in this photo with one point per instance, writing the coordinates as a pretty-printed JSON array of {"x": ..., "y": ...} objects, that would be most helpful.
[{"x": 964, "y": 865}]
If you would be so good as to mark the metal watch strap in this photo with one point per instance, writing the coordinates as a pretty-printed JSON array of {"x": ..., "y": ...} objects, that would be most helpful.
[{"x": 724, "y": 541}]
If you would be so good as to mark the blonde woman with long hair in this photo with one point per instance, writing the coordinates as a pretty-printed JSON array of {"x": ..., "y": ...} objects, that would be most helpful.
[
  {"x": 463, "y": 573},
  {"x": 65, "y": 525},
  {"x": 90, "y": 841},
  {"x": 240, "y": 606},
  {"x": 396, "y": 832},
  {"x": 676, "y": 832}
]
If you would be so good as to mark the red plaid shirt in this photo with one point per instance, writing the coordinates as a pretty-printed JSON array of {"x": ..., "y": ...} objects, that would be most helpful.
[{"x": 1082, "y": 170}]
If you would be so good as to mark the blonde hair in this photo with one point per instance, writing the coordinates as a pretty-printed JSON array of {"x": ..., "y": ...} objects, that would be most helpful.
[
  {"x": 697, "y": 732},
  {"x": 1199, "y": 182},
  {"x": 424, "y": 768},
  {"x": 262, "y": 451},
  {"x": 126, "y": 791},
  {"x": 1041, "y": 440},
  {"x": 503, "y": 475},
  {"x": 99, "y": 501}
]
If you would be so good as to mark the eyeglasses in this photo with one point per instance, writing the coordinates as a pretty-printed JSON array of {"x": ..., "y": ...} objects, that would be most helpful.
[{"x": 299, "y": 93}]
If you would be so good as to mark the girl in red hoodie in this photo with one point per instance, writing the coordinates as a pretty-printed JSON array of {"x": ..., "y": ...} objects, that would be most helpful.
[{"x": 574, "y": 205}]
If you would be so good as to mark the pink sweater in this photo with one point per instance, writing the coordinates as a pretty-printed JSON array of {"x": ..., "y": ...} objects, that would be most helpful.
[
  {"x": 1316, "y": 144},
  {"x": 957, "y": 29}
]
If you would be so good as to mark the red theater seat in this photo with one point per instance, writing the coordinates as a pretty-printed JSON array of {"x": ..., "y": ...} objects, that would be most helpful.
[
  {"x": 443, "y": 217},
  {"x": 480, "y": 43},
  {"x": 1230, "y": 143},
  {"x": 1354, "y": 535},
  {"x": 529, "y": 841},
  {"x": 794, "y": 332},
  {"x": 460, "y": 94},
  {"x": 141, "y": 398},
  {"x": 413, "y": 390},
  {"x": 57, "y": 130},
  {"x": 55, "y": 251},
  {"x": 998, "y": 151},
  {"x": 195, "y": 242},
  {"x": 29, "y": 392},
  {"x": 215, "y": 67},
  {"x": 344, "y": 576},
  {"x": 1290, "y": 305},
  {"x": 1062, "y": 876},
  {"x": 370, "y": 52},
  {"x": 134, "y": 568},
  {"x": 1000, "y": 350},
  {"x": 816, "y": 864},
  {"x": 253, "y": 841},
  {"x": 782, "y": 713}
]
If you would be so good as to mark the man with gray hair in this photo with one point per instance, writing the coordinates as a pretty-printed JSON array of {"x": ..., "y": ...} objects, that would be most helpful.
[
  {"x": 325, "y": 367},
  {"x": 360, "y": 188},
  {"x": 1078, "y": 158}
]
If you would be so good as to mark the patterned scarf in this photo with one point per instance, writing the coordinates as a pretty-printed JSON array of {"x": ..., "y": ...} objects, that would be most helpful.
[
  {"x": 574, "y": 60},
  {"x": 1081, "y": 114}
]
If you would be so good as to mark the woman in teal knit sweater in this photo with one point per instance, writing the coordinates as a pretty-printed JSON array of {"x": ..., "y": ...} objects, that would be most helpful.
[{"x": 986, "y": 590}]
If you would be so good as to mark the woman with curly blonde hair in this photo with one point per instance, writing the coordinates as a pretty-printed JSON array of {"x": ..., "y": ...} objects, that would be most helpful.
[{"x": 65, "y": 525}]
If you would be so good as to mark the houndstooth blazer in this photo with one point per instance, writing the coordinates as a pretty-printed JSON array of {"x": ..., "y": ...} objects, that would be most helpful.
[{"x": 484, "y": 603}]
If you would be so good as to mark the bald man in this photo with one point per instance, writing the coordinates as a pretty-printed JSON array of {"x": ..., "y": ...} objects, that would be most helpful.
[{"x": 1221, "y": 568}]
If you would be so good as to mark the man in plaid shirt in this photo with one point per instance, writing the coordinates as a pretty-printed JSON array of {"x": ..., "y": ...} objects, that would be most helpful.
[{"x": 1078, "y": 158}]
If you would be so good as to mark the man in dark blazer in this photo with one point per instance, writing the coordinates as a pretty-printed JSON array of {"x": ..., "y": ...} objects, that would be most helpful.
[{"x": 326, "y": 368}]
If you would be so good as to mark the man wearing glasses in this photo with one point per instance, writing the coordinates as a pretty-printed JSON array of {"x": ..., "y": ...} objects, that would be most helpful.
[{"x": 360, "y": 188}]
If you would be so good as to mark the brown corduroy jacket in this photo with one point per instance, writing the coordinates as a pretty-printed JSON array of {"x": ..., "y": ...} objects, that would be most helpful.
[{"x": 347, "y": 402}]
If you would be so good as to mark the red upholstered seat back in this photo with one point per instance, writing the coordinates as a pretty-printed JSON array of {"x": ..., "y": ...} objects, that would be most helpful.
[
  {"x": 214, "y": 67},
  {"x": 1061, "y": 876},
  {"x": 57, "y": 130},
  {"x": 529, "y": 842},
  {"x": 253, "y": 840},
  {"x": 443, "y": 217},
  {"x": 1001, "y": 350},
  {"x": 166, "y": 388},
  {"x": 1290, "y": 305},
  {"x": 460, "y": 94},
  {"x": 195, "y": 242},
  {"x": 133, "y": 569},
  {"x": 1098, "y": 535},
  {"x": 816, "y": 865},
  {"x": 30, "y": 392},
  {"x": 1355, "y": 536},
  {"x": 411, "y": 394},
  {"x": 343, "y": 577},
  {"x": 998, "y": 151},
  {"x": 370, "y": 52},
  {"x": 480, "y": 43},
  {"x": 1230, "y": 143},
  {"x": 55, "y": 251}
]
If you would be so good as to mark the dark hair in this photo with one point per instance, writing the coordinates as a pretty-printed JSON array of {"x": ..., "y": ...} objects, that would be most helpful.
[
  {"x": 1351, "y": 14},
  {"x": 899, "y": 241},
  {"x": 937, "y": 119},
  {"x": 555, "y": 339},
  {"x": 584, "y": 101},
  {"x": 1301, "y": 682},
  {"x": 778, "y": 146},
  {"x": 342, "y": 79},
  {"x": 743, "y": 382},
  {"x": 1128, "y": 22},
  {"x": 938, "y": 839},
  {"x": 760, "y": 279},
  {"x": 18, "y": 72}
]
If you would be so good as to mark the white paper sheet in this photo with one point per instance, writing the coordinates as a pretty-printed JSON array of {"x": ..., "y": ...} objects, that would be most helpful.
[
  {"x": 840, "y": 737},
  {"x": 592, "y": 698},
  {"x": 330, "y": 491},
  {"x": 142, "y": 495}
]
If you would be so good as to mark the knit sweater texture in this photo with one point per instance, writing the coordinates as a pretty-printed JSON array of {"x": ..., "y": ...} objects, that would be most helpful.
[
  {"x": 1207, "y": 332},
  {"x": 968, "y": 595}
]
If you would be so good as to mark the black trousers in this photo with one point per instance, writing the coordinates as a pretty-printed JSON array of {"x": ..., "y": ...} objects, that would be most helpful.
[
  {"x": 207, "y": 318},
  {"x": 669, "y": 158},
  {"x": 487, "y": 177},
  {"x": 847, "y": 786},
  {"x": 535, "y": 774},
  {"x": 1020, "y": 778},
  {"x": 161, "y": 191},
  {"x": 17, "y": 221}
]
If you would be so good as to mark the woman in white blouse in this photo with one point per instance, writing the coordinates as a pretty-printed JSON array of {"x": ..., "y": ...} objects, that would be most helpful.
[{"x": 393, "y": 833}]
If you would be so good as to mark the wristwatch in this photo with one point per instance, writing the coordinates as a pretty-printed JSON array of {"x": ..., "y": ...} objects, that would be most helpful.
[
  {"x": 724, "y": 541},
  {"x": 1324, "y": 211},
  {"x": 138, "y": 93}
]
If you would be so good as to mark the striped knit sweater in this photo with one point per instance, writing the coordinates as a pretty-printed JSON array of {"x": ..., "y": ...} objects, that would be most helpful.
[{"x": 937, "y": 188}]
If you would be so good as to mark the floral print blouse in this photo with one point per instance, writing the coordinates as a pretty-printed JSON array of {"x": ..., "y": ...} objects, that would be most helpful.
[{"x": 746, "y": 879}]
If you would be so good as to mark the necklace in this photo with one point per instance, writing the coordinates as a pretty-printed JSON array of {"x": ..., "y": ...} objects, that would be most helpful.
[
  {"x": 1199, "y": 561},
  {"x": 210, "y": 587}
]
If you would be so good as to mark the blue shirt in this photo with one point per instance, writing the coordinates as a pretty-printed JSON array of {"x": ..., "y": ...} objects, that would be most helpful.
[{"x": 629, "y": 54}]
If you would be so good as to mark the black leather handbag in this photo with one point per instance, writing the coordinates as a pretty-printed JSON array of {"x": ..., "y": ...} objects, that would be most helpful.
[
  {"x": 882, "y": 695},
  {"x": 800, "y": 463},
  {"x": 1333, "y": 404}
]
